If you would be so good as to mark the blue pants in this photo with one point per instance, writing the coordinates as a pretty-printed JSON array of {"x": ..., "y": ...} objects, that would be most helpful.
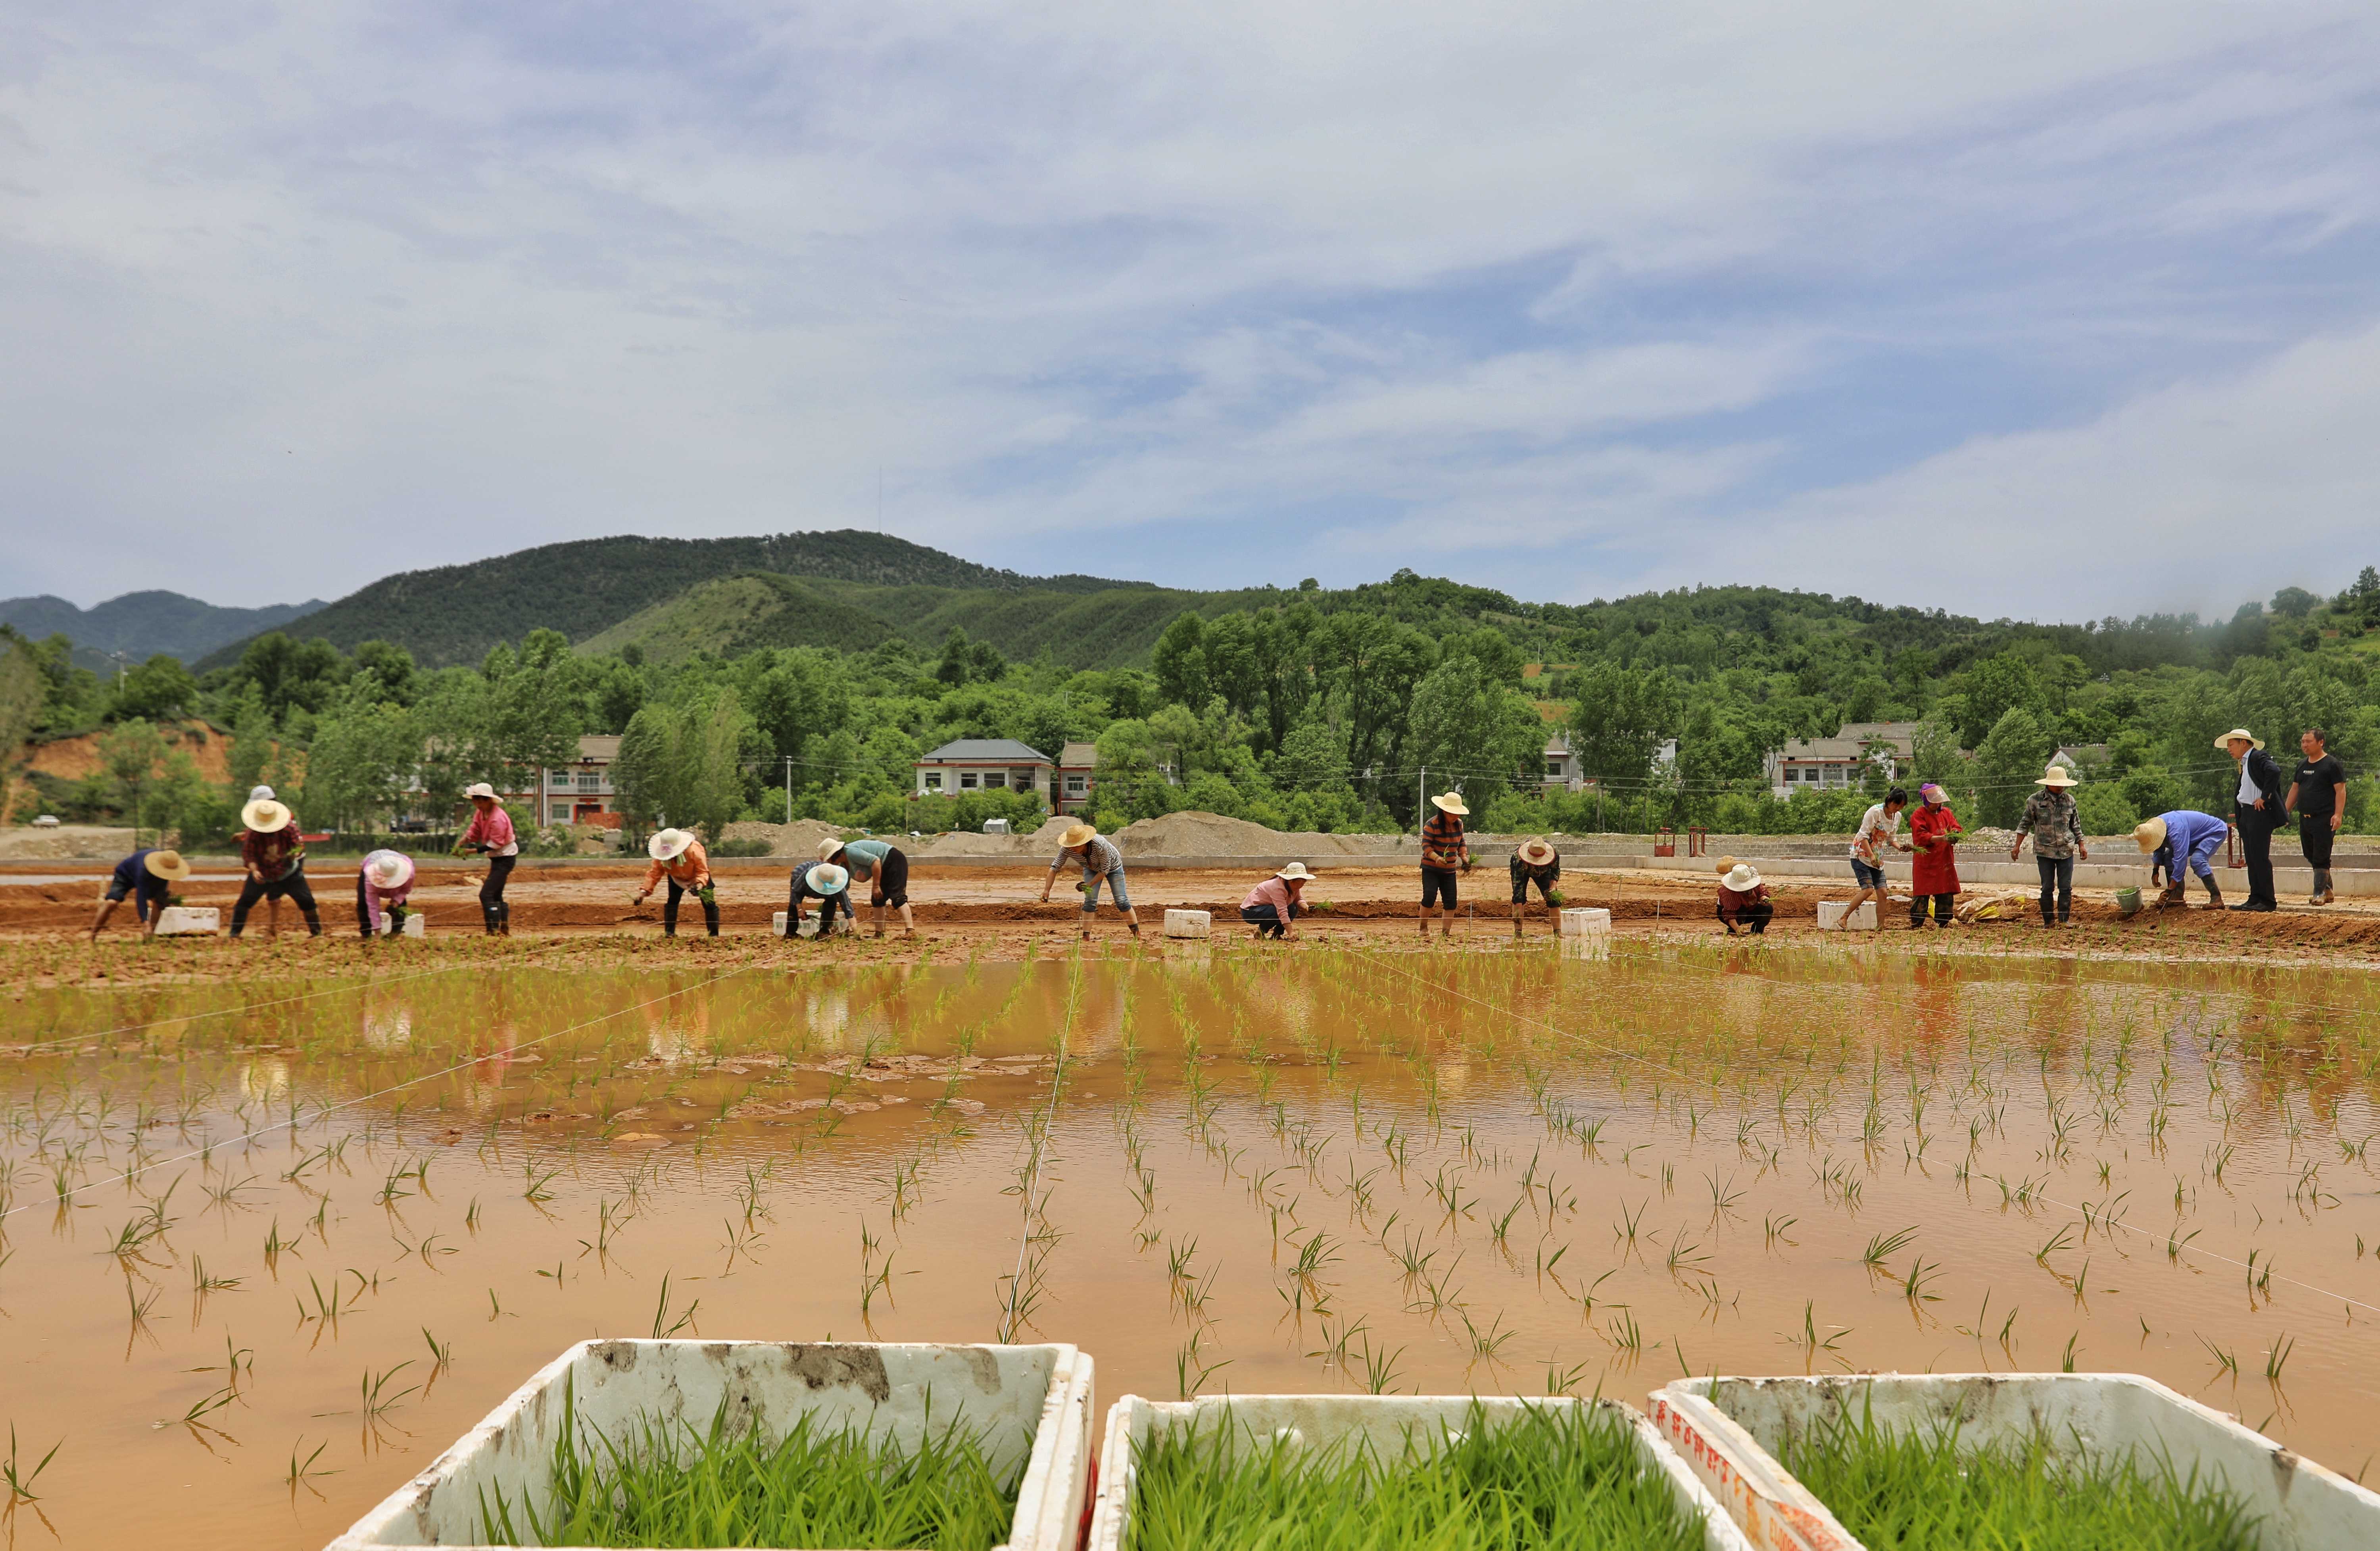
[{"x": 1113, "y": 879}]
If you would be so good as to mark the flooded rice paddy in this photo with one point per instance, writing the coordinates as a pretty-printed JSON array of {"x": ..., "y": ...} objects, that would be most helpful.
[{"x": 270, "y": 1246}]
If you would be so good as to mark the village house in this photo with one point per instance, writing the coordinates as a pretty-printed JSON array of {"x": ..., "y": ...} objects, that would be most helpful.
[
  {"x": 1844, "y": 759},
  {"x": 1077, "y": 767},
  {"x": 581, "y": 792},
  {"x": 984, "y": 765}
]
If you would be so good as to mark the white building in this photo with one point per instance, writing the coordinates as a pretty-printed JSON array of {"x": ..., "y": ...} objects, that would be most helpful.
[
  {"x": 984, "y": 765},
  {"x": 1844, "y": 759}
]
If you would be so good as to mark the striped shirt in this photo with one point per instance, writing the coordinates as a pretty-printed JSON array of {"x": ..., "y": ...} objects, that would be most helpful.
[{"x": 1442, "y": 845}]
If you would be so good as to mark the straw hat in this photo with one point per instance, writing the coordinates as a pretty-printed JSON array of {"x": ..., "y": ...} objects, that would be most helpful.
[
  {"x": 265, "y": 815},
  {"x": 2224, "y": 741},
  {"x": 1295, "y": 872},
  {"x": 167, "y": 865},
  {"x": 1449, "y": 803},
  {"x": 1076, "y": 834},
  {"x": 826, "y": 879},
  {"x": 667, "y": 845},
  {"x": 479, "y": 789},
  {"x": 828, "y": 847},
  {"x": 2058, "y": 776},
  {"x": 260, "y": 794},
  {"x": 390, "y": 869},
  {"x": 1535, "y": 853},
  {"x": 1742, "y": 878},
  {"x": 2151, "y": 834}
]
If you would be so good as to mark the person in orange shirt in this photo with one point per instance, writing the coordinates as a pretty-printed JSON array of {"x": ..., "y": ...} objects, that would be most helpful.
[{"x": 679, "y": 857}]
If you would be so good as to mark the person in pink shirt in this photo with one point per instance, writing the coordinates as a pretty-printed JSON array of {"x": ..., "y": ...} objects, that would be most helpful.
[
  {"x": 491, "y": 834},
  {"x": 1278, "y": 900},
  {"x": 384, "y": 883}
]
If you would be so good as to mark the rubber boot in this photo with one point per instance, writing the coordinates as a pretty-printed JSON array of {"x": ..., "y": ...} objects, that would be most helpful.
[
  {"x": 711, "y": 916},
  {"x": 2213, "y": 896},
  {"x": 2321, "y": 887},
  {"x": 2172, "y": 897}
]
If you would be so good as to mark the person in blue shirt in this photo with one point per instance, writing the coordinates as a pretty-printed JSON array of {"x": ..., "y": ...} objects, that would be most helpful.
[
  {"x": 2172, "y": 838},
  {"x": 828, "y": 884},
  {"x": 886, "y": 868},
  {"x": 149, "y": 877}
]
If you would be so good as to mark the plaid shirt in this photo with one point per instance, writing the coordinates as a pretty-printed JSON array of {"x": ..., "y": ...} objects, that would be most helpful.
[
  {"x": 271, "y": 855},
  {"x": 2051, "y": 820}
]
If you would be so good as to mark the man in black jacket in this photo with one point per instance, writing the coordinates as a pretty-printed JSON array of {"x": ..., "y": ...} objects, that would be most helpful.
[{"x": 2256, "y": 810}]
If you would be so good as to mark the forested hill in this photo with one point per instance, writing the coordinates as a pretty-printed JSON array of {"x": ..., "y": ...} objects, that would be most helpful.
[
  {"x": 140, "y": 623},
  {"x": 455, "y": 613}
]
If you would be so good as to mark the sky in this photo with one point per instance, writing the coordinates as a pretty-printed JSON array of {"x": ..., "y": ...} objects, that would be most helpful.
[{"x": 2028, "y": 309}]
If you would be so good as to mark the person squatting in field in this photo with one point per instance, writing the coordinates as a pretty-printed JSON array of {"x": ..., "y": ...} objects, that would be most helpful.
[
  {"x": 383, "y": 882},
  {"x": 1272, "y": 905}
]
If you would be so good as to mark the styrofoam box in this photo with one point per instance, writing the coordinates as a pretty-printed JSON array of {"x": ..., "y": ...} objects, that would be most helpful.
[
  {"x": 1834, "y": 918},
  {"x": 1189, "y": 922},
  {"x": 841, "y": 923},
  {"x": 1727, "y": 1428},
  {"x": 1390, "y": 1422},
  {"x": 1586, "y": 923},
  {"x": 416, "y": 923},
  {"x": 1028, "y": 1403},
  {"x": 189, "y": 920}
]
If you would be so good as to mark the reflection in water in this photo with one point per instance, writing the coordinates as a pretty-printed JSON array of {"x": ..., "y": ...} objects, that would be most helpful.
[{"x": 1613, "y": 1167}]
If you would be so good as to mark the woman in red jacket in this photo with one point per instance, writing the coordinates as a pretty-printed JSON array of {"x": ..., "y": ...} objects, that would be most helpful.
[{"x": 1934, "y": 875}]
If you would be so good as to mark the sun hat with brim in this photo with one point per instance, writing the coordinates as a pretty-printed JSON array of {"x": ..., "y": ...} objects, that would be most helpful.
[
  {"x": 2150, "y": 833},
  {"x": 390, "y": 869},
  {"x": 478, "y": 789},
  {"x": 260, "y": 794},
  {"x": 668, "y": 846},
  {"x": 2225, "y": 741},
  {"x": 2058, "y": 776},
  {"x": 826, "y": 879},
  {"x": 1451, "y": 802},
  {"x": 167, "y": 865},
  {"x": 1743, "y": 876},
  {"x": 1076, "y": 834},
  {"x": 1535, "y": 853},
  {"x": 1932, "y": 792},
  {"x": 265, "y": 815},
  {"x": 829, "y": 847},
  {"x": 1295, "y": 872}
]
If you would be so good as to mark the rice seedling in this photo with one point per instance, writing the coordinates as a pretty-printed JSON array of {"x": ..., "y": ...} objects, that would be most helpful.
[
  {"x": 1923, "y": 1488},
  {"x": 1552, "y": 1476},
  {"x": 21, "y": 1477},
  {"x": 666, "y": 1484}
]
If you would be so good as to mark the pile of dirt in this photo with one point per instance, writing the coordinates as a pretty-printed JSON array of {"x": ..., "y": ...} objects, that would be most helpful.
[
  {"x": 100, "y": 841},
  {"x": 800, "y": 837}
]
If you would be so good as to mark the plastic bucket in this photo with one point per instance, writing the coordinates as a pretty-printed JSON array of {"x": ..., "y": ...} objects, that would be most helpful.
[
  {"x": 1030, "y": 1403},
  {"x": 1387, "y": 1421},
  {"x": 1727, "y": 1428},
  {"x": 2128, "y": 902}
]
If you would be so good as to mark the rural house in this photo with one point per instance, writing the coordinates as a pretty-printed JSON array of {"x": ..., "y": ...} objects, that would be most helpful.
[
  {"x": 1077, "y": 764},
  {"x": 983, "y": 764},
  {"x": 1841, "y": 761}
]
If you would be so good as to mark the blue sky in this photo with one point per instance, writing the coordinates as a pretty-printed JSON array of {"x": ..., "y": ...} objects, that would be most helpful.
[{"x": 2030, "y": 310}]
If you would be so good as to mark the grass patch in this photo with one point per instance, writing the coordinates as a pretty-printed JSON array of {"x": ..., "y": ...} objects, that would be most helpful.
[
  {"x": 1564, "y": 1478},
  {"x": 1919, "y": 1491},
  {"x": 662, "y": 1483}
]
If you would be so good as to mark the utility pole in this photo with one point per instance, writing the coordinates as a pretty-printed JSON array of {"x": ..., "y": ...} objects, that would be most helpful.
[
  {"x": 1424, "y": 802},
  {"x": 789, "y": 788}
]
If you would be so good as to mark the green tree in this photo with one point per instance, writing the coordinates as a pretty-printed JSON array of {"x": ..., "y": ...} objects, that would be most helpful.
[
  {"x": 1618, "y": 717},
  {"x": 158, "y": 690},
  {"x": 2011, "y": 759},
  {"x": 24, "y": 690},
  {"x": 1476, "y": 731},
  {"x": 529, "y": 717},
  {"x": 130, "y": 754},
  {"x": 363, "y": 757}
]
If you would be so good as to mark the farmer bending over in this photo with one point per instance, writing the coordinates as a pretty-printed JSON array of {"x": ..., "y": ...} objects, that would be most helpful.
[
  {"x": 383, "y": 882},
  {"x": 275, "y": 854},
  {"x": 828, "y": 884},
  {"x": 1743, "y": 898},
  {"x": 147, "y": 877},
  {"x": 1536, "y": 861},
  {"x": 491, "y": 835},
  {"x": 1101, "y": 862},
  {"x": 886, "y": 868},
  {"x": 2171, "y": 838},
  {"x": 679, "y": 857}
]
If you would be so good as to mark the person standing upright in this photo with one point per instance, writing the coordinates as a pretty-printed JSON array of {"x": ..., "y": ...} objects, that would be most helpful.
[
  {"x": 491, "y": 834},
  {"x": 1445, "y": 856},
  {"x": 2318, "y": 792},
  {"x": 2255, "y": 811},
  {"x": 1878, "y": 831},
  {"x": 2055, "y": 827},
  {"x": 1934, "y": 832}
]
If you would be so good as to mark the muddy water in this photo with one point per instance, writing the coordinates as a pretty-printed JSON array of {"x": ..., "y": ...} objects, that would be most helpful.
[{"x": 363, "y": 1212}]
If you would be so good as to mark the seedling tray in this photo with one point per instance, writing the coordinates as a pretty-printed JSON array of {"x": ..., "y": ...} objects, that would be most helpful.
[
  {"x": 1026, "y": 1404},
  {"x": 1389, "y": 1424},
  {"x": 1730, "y": 1430}
]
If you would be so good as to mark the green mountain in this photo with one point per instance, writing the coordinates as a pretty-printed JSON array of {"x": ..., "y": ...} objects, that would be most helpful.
[
  {"x": 455, "y": 614},
  {"x": 138, "y": 624}
]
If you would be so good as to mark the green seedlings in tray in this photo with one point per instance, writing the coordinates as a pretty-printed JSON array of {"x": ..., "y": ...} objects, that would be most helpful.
[
  {"x": 664, "y": 1484},
  {"x": 1921, "y": 1491},
  {"x": 1560, "y": 1478}
]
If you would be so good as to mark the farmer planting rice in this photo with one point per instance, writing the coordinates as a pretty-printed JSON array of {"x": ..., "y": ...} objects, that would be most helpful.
[
  {"x": 1273, "y": 904},
  {"x": 1445, "y": 854},
  {"x": 1101, "y": 862},
  {"x": 1879, "y": 831},
  {"x": 678, "y": 857},
  {"x": 147, "y": 877},
  {"x": 885, "y": 866},
  {"x": 491, "y": 835},
  {"x": 1743, "y": 900},
  {"x": 383, "y": 882},
  {"x": 2184, "y": 834},
  {"x": 1536, "y": 861},
  {"x": 1934, "y": 877},
  {"x": 2055, "y": 827},
  {"x": 275, "y": 854},
  {"x": 828, "y": 884}
]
